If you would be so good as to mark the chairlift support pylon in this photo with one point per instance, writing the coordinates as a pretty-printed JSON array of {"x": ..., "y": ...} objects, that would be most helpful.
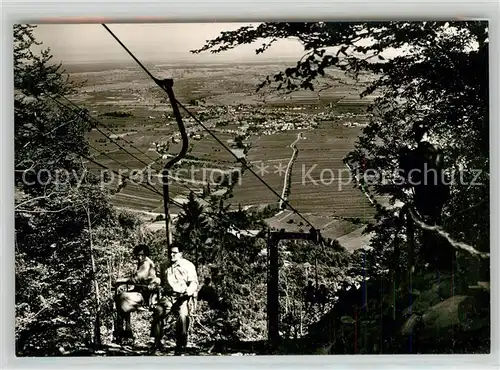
[{"x": 273, "y": 305}]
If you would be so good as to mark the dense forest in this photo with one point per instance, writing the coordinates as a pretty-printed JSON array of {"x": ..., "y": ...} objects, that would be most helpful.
[{"x": 71, "y": 243}]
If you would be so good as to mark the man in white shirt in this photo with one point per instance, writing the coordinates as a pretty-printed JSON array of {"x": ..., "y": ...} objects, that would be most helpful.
[{"x": 181, "y": 284}]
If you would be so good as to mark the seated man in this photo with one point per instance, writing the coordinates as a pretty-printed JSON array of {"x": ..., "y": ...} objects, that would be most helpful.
[
  {"x": 145, "y": 281},
  {"x": 181, "y": 284}
]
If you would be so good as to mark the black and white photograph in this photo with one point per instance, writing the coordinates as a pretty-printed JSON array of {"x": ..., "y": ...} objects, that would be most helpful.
[{"x": 249, "y": 189}]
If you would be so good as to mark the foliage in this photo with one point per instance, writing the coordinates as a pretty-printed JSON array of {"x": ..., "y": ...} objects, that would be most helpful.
[
  {"x": 438, "y": 80},
  {"x": 63, "y": 218},
  {"x": 232, "y": 262}
]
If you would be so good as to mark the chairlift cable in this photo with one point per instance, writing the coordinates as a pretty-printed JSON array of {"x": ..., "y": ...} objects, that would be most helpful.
[
  {"x": 158, "y": 82},
  {"x": 108, "y": 137},
  {"x": 98, "y": 122}
]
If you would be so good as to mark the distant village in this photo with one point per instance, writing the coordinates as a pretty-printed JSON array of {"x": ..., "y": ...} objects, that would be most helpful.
[{"x": 243, "y": 121}]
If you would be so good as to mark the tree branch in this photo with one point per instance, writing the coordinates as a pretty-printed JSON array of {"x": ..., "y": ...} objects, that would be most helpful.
[
  {"x": 34, "y": 199},
  {"x": 455, "y": 244},
  {"x": 46, "y": 210}
]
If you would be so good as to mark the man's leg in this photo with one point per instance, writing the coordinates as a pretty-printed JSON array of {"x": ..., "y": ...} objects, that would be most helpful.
[
  {"x": 126, "y": 303},
  {"x": 128, "y": 326},
  {"x": 160, "y": 312},
  {"x": 182, "y": 326},
  {"x": 120, "y": 320}
]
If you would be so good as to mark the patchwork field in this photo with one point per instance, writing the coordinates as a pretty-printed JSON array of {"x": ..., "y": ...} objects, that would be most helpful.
[
  {"x": 320, "y": 182},
  {"x": 138, "y": 119}
]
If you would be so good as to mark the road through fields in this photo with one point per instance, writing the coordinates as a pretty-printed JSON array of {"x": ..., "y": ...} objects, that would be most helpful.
[{"x": 288, "y": 173}]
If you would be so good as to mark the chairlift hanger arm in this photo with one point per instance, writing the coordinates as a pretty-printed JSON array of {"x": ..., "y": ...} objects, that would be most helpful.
[{"x": 166, "y": 85}]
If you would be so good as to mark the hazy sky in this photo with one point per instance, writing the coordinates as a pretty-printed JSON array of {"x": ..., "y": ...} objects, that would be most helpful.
[{"x": 151, "y": 42}]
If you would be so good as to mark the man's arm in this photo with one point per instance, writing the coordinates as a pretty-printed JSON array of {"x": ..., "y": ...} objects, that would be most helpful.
[
  {"x": 192, "y": 280},
  {"x": 122, "y": 280}
]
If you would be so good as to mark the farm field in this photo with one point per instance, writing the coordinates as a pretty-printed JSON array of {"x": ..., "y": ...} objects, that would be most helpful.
[{"x": 320, "y": 180}]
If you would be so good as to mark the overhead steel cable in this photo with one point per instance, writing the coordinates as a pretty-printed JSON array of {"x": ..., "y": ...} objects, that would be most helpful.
[
  {"x": 103, "y": 133},
  {"x": 128, "y": 142},
  {"x": 105, "y": 126},
  {"x": 125, "y": 177},
  {"x": 161, "y": 85},
  {"x": 152, "y": 189},
  {"x": 147, "y": 165},
  {"x": 243, "y": 163},
  {"x": 109, "y": 129},
  {"x": 121, "y": 164},
  {"x": 95, "y": 120}
]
